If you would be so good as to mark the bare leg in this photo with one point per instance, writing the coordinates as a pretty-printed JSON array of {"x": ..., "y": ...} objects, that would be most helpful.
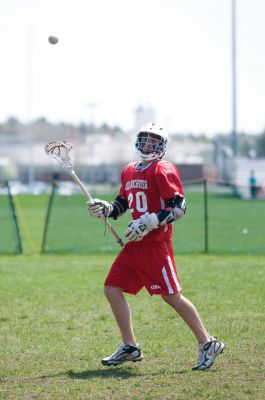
[
  {"x": 189, "y": 314},
  {"x": 121, "y": 312}
]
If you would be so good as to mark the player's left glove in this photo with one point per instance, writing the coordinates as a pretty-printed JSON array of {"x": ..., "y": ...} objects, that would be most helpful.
[{"x": 140, "y": 227}]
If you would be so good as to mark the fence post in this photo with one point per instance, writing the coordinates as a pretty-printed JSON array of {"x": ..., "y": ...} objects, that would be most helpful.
[
  {"x": 19, "y": 243},
  {"x": 54, "y": 187},
  {"x": 206, "y": 245}
]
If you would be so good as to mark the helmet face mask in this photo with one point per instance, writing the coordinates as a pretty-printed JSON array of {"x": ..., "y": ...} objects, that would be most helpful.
[{"x": 151, "y": 142}]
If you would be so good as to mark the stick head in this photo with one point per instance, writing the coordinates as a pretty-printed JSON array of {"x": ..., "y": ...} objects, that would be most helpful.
[{"x": 60, "y": 151}]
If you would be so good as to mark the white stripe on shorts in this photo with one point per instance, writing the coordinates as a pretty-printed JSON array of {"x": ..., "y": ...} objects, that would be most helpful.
[
  {"x": 173, "y": 274},
  {"x": 169, "y": 287}
]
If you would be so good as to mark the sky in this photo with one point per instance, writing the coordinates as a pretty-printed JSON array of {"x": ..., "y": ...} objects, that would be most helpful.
[{"x": 113, "y": 55}]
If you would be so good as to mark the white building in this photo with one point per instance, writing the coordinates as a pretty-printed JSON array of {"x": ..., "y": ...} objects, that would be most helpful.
[{"x": 142, "y": 115}]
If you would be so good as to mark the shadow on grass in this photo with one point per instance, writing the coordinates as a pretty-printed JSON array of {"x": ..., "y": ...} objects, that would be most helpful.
[
  {"x": 126, "y": 373},
  {"x": 123, "y": 373}
]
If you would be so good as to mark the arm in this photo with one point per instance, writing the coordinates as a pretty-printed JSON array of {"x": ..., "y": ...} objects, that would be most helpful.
[
  {"x": 119, "y": 206},
  {"x": 140, "y": 227},
  {"x": 98, "y": 208},
  {"x": 175, "y": 211}
]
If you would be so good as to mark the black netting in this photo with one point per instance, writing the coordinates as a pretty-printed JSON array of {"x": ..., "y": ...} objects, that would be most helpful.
[
  {"x": 9, "y": 232},
  {"x": 217, "y": 221}
]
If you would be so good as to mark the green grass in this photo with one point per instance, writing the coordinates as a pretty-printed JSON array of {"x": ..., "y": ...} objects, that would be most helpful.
[{"x": 55, "y": 325}]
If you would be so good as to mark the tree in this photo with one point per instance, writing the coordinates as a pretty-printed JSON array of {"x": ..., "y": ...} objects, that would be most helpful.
[{"x": 12, "y": 126}]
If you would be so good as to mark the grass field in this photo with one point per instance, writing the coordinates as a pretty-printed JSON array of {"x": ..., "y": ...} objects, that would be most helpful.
[{"x": 55, "y": 326}]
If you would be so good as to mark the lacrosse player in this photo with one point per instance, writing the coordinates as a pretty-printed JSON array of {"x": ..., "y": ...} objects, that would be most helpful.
[{"x": 152, "y": 190}]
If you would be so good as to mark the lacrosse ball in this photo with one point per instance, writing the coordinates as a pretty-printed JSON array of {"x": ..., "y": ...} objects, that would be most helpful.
[
  {"x": 245, "y": 231},
  {"x": 53, "y": 39}
]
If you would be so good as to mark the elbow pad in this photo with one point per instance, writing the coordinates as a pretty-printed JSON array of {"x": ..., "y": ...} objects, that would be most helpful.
[{"x": 176, "y": 210}]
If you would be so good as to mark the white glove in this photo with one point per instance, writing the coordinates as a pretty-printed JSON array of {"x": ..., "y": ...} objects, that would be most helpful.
[
  {"x": 99, "y": 208},
  {"x": 140, "y": 227}
]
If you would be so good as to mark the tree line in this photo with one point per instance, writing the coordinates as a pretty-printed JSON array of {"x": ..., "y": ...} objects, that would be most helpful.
[{"x": 249, "y": 145}]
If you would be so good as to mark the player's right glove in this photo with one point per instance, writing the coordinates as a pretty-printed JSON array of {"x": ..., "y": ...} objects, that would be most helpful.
[{"x": 99, "y": 208}]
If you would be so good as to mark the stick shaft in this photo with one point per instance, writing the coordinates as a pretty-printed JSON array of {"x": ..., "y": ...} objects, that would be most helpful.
[
  {"x": 89, "y": 197},
  {"x": 82, "y": 187}
]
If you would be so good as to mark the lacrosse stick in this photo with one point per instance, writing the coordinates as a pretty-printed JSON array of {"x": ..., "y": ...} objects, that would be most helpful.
[{"x": 60, "y": 151}]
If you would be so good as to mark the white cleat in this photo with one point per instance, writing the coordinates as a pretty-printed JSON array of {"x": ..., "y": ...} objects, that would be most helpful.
[
  {"x": 207, "y": 354},
  {"x": 124, "y": 353}
]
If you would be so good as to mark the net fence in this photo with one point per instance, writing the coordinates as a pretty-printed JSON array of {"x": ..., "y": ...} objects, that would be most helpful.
[
  {"x": 217, "y": 221},
  {"x": 10, "y": 242}
]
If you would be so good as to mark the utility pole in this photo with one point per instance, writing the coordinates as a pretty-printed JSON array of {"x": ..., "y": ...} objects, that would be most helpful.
[
  {"x": 29, "y": 111},
  {"x": 234, "y": 80}
]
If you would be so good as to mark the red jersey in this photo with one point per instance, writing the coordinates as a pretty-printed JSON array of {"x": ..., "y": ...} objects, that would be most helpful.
[{"x": 148, "y": 190}]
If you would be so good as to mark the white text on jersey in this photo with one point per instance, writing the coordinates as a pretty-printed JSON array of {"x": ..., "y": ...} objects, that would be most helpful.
[{"x": 136, "y": 184}]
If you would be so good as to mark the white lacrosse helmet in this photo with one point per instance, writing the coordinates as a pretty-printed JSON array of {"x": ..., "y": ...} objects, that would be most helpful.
[{"x": 151, "y": 142}]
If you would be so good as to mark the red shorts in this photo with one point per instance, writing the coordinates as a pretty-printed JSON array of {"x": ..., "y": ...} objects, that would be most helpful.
[{"x": 145, "y": 264}]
